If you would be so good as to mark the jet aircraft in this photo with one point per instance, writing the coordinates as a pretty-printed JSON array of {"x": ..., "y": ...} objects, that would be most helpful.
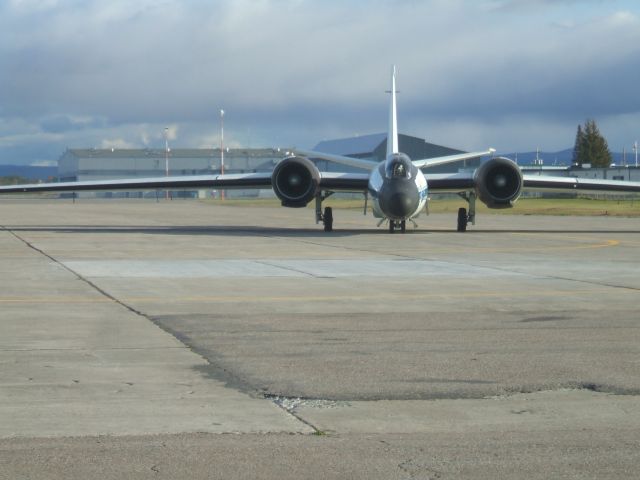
[{"x": 398, "y": 186}]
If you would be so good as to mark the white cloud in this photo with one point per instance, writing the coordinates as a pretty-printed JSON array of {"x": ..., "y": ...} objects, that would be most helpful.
[
  {"x": 116, "y": 143},
  {"x": 44, "y": 163},
  {"x": 171, "y": 132},
  {"x": 294, "y": 72}
]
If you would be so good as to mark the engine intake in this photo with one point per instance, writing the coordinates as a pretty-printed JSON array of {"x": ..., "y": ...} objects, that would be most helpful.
[
  {"x": 498, "y": 183},
  {"x": 295, "y": 181}
]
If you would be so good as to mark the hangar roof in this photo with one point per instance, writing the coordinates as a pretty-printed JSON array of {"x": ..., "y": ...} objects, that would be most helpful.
[
  {"x": 173, "y": 152},
  {"x": 364, "y": 144},
  {"x": 374, "y": 146}
]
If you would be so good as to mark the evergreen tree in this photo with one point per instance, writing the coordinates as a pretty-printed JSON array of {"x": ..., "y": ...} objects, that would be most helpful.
[
  {"x": 576, "y": 146},
  {"x": 591, "y": 147}
]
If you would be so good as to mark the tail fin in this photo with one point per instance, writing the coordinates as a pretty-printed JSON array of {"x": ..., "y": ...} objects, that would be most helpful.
[{"x": 392, "y": 133}]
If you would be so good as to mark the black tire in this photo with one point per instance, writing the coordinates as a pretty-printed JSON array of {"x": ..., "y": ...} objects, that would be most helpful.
[
  {"x": 462, "y": 219},
  {"x": 392, "y": 226},
  {"x": 403, "y": 226},
  {"x": 327, "y": 219}
]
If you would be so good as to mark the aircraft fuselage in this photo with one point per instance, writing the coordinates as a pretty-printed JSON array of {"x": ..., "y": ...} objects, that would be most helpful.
[{"x": 398, "y": 188}]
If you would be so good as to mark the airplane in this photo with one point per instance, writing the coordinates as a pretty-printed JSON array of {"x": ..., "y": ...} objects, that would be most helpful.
[{"x": 397, "y": 185}]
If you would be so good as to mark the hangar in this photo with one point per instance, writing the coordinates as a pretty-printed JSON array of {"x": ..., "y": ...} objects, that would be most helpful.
[
  {"x": 110, "y": 164},
  {"x": 103, "y": 164},
  {"x": 80, "y": 164}
]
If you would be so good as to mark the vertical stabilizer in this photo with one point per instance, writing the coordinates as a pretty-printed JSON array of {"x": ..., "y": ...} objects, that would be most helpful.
[{"x": 392, "y": 133}]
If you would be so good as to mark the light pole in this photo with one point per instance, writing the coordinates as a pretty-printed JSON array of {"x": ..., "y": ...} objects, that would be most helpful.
[
  {"x": 635, "y": 149},
  {"x": 222, "y": 148},
  {"x": 166, "y": 151},
  {"x": 166, "y": 157}
]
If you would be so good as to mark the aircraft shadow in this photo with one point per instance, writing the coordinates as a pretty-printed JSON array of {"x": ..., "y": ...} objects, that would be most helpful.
[
  {"x": 214, "y": 230},
  {"x": 244, "y": 230},
  {"x": 546, "y": 231}
]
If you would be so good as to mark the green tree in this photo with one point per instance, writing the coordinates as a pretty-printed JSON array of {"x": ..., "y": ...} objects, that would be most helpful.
[
  {"x": 13, "y": 180},
  {"x": 576, "y": 146},
  {"x": 591, "y": 147}
]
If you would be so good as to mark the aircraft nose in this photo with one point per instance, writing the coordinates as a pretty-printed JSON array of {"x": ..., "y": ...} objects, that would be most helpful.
[{"x": 400, "y": 205}]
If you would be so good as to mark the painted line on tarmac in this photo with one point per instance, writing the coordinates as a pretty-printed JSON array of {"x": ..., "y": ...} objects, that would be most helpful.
[
  {"x": 600, "y": 243},
  {"x": 350, "y": 298},
  {"x": 439, "y": 249},
  {"x": 297, "y": 298},
  {"x": 56, "y": 299},
  {"x": 528, "y": 248}
]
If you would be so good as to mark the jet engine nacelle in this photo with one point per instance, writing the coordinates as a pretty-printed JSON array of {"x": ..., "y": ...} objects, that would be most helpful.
[
  {"x": 498, "y": 183},
  {"x": 295, "y": 181}
]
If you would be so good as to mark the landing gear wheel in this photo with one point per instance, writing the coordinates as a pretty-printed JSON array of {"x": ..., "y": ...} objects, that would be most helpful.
[
  {"x": 327, "y": 218},
  {"x": 403, "y": 226},
  {"x": 392, "y": 226},
  {"x": 462, "y": 219}
]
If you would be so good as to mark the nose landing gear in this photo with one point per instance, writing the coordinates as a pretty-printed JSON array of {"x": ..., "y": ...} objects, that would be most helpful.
[{"x": 397, "y": 224}]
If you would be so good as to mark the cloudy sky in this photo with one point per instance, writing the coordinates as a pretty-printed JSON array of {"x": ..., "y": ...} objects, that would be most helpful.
[{"x": 512, "y": 74}]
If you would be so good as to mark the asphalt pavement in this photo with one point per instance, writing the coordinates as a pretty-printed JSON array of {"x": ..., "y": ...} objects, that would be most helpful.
[{"x": 184, "y": 339}]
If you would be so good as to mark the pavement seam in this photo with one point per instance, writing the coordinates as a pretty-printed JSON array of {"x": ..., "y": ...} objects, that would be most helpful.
[
  {"x": 76, "y": 274},
  {"x": 104, "y": 293},
  {"x": 488, "y": 267},
  {"x": 141, "y": 314},
  {"x": 289, "y": 269},
  {"x": 316, "y": 430},
  {"x": 547, "y": 276}
]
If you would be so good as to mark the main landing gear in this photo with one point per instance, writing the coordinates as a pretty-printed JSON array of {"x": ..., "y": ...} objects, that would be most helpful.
[
  {"x": 327, "y": 217},
  {"x": 463, "y": 217}
]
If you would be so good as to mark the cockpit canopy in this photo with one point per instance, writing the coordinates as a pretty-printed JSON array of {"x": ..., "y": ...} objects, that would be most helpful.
[{"x": 398, "y": 165}]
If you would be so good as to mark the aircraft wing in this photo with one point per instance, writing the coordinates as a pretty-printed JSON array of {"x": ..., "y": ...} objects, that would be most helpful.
[
  {"x": 430, "y": 162},
  {"x": 245, "y": 180},
  {"x": 340, "y": 159},
  {"x": 548, "y": 183},
  {"x": 450, "y": 182},
  {"x": 346, "y": 182},
  {"x": 460, "y": 182}
]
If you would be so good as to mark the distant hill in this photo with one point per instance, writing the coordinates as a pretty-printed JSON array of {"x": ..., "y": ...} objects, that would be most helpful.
[
  {"x": 28, "y": 171},
  {"x": 561, "y": 158}
]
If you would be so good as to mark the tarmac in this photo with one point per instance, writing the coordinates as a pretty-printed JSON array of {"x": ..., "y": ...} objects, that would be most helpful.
[{"x": 182, "y": 339}]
